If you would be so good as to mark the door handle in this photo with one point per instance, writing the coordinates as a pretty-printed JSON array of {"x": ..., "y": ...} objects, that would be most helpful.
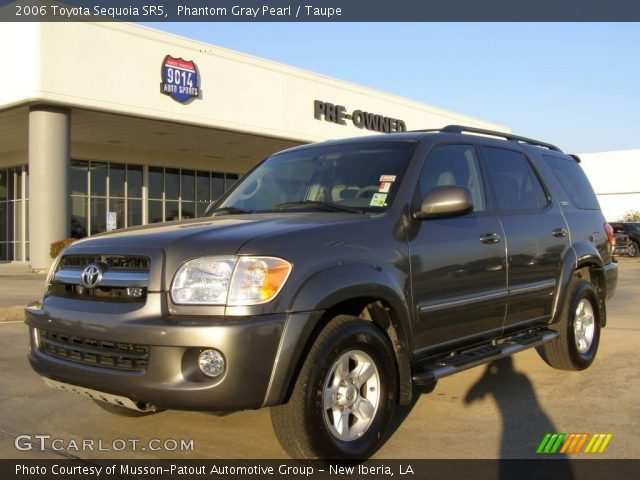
[
  {"x": 490, "y": 238},
  {"x": 559, "y": 232}
]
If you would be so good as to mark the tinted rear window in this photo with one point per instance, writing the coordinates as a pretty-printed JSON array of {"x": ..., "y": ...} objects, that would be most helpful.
[
  {"x": 574, "y": 181},
  {"x": 516, "y": 186}
]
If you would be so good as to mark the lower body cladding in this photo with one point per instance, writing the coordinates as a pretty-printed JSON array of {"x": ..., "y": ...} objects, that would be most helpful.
[{"x": 156, "y": 364}]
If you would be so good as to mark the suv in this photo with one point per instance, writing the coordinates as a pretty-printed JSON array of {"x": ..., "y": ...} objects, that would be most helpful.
[
  {"x": 632, "y": 230},
  {"x": 332, "y": 280}
]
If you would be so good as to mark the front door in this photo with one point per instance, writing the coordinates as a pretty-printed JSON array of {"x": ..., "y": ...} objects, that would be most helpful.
[{"x": 458, "y": 264}]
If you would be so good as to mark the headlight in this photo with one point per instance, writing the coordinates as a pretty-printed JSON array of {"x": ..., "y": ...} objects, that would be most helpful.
[{"x": 232, "y": 281}]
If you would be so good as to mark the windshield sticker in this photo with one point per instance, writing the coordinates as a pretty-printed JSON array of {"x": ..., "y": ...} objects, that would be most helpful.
[
  {"x": 384, "y": 187},
  {"x": 387, "y": 178},
  {"x": 378, "y": 200}
]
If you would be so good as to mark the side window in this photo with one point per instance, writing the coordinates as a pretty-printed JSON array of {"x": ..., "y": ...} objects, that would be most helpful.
[
  {"x": 515, "y": 184},
  {"x": 454, "y": 165},
  {"x": 574, "y": 181}
]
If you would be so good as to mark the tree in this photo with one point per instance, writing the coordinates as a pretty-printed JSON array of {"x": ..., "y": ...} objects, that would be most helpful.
[{"x": 631, "y": 216}]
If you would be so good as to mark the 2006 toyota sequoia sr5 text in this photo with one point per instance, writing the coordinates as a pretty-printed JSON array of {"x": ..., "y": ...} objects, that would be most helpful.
[{"x": 331, "y": 280}]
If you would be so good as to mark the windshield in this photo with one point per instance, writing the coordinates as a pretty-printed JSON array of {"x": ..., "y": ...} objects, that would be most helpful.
[{"x": 354, "y": 177}]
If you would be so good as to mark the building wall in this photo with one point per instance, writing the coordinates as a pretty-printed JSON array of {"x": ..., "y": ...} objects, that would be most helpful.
[
  {"x": 615, "y": 177},
  {"x": 117, "y": 68}
]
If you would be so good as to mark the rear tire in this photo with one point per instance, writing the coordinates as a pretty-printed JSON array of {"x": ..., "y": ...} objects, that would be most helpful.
[
  {"x": 344, "y": 397},
  {"x": 579, "y": 328},
  {"x": 123, "y": 411}
]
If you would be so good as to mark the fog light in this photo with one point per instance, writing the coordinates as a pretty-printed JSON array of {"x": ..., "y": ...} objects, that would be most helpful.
[{"x": 211, "y": 362}]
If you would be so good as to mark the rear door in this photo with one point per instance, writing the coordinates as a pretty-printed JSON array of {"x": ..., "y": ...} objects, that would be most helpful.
[
  {"x": 458, "y": 264},
  {"x": 537, "y": 235}
]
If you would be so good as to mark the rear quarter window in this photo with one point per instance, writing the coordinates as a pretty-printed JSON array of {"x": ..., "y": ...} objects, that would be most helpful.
[{"x": 574, "y": 181}]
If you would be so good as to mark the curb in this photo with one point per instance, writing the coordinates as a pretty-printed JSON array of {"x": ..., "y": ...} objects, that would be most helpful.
[{"x": 12, "y": 313}]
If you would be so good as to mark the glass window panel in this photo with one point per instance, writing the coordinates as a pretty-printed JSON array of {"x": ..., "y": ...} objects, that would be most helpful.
[
  {"x": 134, "y": 212},
  {"x": 3, "y": 183},
  {"x": 117, "y": 205},
  {"x": 202, "y": 187},
  {"x": 134, "y": 181},
  {"x": 230, "y": 180},
  {"x": 172, "y": 183},
  {"x": 3, "y": 252},
  {"x": 98, "y": 179},
  {"x": 18, "y": 183},
  {"x": 188, "y": 185},
  {"x": 78, "y": 217},
  {"x": 10, "y": 215},
  {"x": 3, "y": 221},
  {"x": 454, "y": 165},
  {"x": 217, "y": 185},
  {"x": 117, "y": 175},
  {"x": 78, "y": 177},
  {"x": 156, "y": 182},
  {"x": 18, "y": 220},
  {"x": 188, "y": 210},
  {"x": 98, "y": 215},
  {"x": 155, "y": 211},
  {"x": 171, "y": 211},
  {"x": 512, "y": 179},
  {"x": 11, "y": 183}
]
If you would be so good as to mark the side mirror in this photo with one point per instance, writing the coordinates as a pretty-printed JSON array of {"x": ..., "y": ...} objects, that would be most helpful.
[{"x": 445, "y": 202}]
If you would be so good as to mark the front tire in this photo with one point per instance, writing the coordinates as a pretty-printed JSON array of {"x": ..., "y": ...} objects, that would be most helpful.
[
  {"x": 579, "y": 328},
  {"x": 345, "y": 395},
  {"x": 633, "y": 249}
]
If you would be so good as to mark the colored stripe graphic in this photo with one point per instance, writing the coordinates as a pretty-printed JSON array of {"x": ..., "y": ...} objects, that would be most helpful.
[{"x": 574, "y": 442}]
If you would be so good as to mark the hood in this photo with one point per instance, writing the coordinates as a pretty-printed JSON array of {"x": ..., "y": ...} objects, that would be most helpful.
[{"x": 220, "y": 235}]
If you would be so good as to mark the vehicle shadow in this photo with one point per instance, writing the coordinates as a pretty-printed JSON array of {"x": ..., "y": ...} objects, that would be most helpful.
[{"x": 523, "y": 420}]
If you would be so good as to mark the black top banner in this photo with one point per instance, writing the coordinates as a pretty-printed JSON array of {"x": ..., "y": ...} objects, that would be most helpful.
[{"x": 321, "y": 11}]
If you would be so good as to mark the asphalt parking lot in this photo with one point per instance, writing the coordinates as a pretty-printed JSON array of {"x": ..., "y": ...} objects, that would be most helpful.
[{"x": 476, "y": 414}]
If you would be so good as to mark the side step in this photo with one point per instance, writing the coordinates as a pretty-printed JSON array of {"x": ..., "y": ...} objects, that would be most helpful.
[{"x": 435, "y": 369}]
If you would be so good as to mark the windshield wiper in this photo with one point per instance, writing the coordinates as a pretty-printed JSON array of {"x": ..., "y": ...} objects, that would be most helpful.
[
  {"x": 327, "y": 206},
  {"x": 231, "y": 210}
]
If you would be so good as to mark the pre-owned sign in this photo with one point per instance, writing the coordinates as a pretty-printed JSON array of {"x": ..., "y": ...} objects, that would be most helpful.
[{"x": 330, "y": 112}]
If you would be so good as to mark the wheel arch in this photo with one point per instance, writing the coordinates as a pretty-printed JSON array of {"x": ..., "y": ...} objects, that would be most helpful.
[
  {"x": 584, "y": 261},
  {"x": 357, "y": 290}
]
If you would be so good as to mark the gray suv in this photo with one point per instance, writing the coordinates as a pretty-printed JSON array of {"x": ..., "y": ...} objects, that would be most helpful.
[{"x": 331, "y": 281}]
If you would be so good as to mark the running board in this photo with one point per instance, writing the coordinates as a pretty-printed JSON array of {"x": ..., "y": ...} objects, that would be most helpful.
[{"x": 429, "y": 372}]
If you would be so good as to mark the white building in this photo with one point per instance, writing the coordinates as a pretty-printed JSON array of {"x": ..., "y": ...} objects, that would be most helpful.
[
  {"x": 90, "y": 134},
  {"x": 615, "y": 177}
]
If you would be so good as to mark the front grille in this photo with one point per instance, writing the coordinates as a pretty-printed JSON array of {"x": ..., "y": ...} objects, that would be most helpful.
[
  {"x": 104, "y": 294},
  {"x": 119, "y": 262},
  {"x": 125, "y": 278},
  {"x": 100, "y": 353}
]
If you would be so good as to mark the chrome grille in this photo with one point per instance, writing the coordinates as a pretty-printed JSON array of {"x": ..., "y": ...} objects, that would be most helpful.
[
  {"x": 124, "y": 277},
  {"x": 100, "y": 353},
  {"x": 112, "y": 262}
]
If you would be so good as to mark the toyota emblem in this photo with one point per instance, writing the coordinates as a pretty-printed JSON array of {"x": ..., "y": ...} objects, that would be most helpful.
[{"x": 91, "y": 275}]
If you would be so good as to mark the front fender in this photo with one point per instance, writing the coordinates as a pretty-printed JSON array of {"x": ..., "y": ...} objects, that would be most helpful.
[{"x": 321, "y": 293}]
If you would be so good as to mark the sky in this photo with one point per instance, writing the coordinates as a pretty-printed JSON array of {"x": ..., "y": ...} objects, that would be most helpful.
[{"x": 576, "y": 85}]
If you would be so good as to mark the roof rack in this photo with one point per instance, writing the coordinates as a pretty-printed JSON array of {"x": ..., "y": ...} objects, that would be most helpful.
[{"x": 506, "y": 136}]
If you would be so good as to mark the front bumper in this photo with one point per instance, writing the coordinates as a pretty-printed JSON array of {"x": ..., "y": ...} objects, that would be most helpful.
[{"x": 169, "y": 378}]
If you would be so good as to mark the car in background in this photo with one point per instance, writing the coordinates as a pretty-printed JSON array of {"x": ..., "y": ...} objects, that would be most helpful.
[
  {"x": 621, "y": 244},
  {"x": 632, "y": 230}
]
